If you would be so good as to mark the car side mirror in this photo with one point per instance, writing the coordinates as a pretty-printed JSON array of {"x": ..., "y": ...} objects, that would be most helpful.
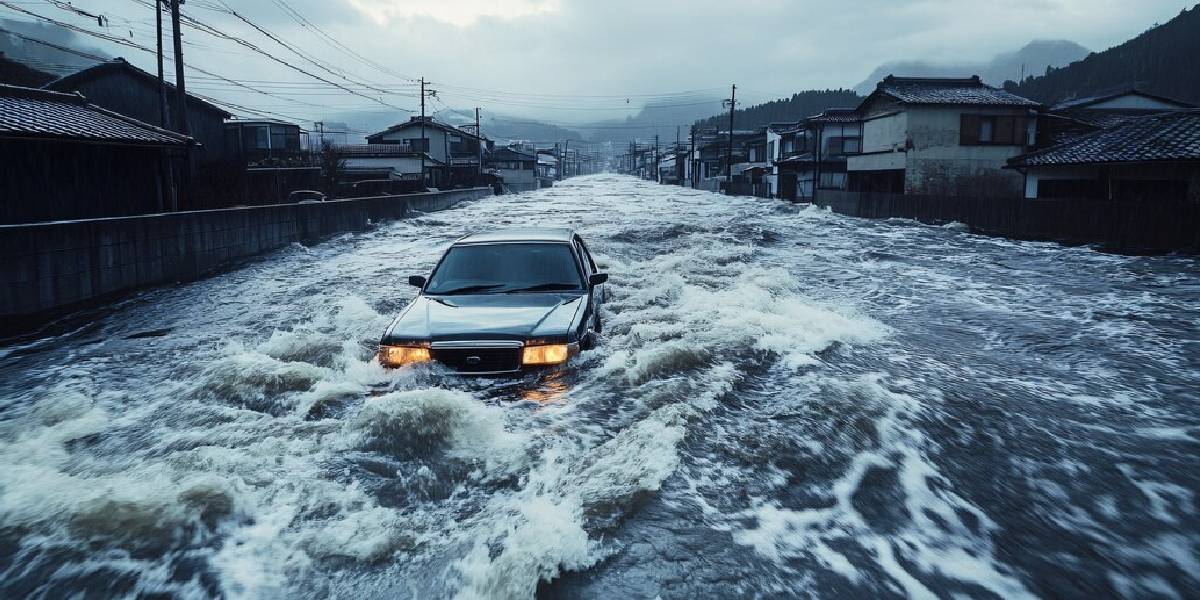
[
  {"x": 416, "y": 280},
  {"x": 598, "y": 278}
]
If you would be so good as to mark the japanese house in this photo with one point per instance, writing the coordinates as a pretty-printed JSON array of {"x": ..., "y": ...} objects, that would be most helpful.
[
  {"x": 1152, "y": 158},
  {"x": 947, "y": 136},
  {"x": 65, "y": 158},
  {"x": 454, "y": 155},
  {"x": 517, "y": 169}
]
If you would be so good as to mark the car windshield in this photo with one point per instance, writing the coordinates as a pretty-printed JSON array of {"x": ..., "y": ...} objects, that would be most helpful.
[{"x": 502, "y": 268}]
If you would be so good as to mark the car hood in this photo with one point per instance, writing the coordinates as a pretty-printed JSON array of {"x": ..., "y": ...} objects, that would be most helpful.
[{"x": 486, "y": 317}]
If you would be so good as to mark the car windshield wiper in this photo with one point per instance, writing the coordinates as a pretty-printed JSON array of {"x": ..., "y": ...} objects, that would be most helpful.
[
  {"x": 545, "y": 287},
  {"x": 468, "y": 289}
]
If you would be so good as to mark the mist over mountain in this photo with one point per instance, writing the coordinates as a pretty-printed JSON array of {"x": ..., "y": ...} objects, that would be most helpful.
[
  {"x": 1032, "y": 59},
  {"x": 656, "y": 118},
  {"x": 43, "y": 57}
]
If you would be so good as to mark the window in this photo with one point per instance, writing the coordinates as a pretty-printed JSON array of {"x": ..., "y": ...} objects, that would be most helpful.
[
  {"x": 852, "y": 145},
  {"x": 987, "y": 126},
  {"x": 506, "y": 267},
  {"x": 418, "y": 144},
  {"x": 998, "y": 130}
]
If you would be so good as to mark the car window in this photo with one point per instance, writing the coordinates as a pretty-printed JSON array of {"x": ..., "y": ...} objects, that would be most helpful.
[
  {"x": 583, "y": 261},
  {"x": 506, "y": 267}
]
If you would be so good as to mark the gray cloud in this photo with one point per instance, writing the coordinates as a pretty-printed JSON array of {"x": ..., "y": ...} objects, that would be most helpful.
[{"x": 636, "y": 49}]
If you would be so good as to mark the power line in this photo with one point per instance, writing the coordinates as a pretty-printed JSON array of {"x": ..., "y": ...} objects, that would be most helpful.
[{"x": 206, "y": 28}]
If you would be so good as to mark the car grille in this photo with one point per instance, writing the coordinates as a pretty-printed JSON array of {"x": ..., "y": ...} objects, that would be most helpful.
[{"x": 479, "y": 360}]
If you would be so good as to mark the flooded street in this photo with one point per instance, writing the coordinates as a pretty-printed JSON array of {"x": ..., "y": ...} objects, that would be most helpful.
[{"x": 785, "y": 402}]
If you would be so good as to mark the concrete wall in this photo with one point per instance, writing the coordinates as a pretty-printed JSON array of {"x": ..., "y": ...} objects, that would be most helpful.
[
  {"x": 939, "y": 164},
  {"x": 47, "y": 268}
]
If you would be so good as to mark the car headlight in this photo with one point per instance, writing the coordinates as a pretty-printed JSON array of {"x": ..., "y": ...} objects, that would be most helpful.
[
  {"x": 398, "y": 356},
  {"x": 549, "y": 354}
]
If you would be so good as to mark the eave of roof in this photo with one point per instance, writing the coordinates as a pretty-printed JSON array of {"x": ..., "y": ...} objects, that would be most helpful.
[{"x": 39, "y": 114}]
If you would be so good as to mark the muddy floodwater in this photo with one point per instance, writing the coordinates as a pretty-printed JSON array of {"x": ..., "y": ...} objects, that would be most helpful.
[{"x": 785, "y": 402}]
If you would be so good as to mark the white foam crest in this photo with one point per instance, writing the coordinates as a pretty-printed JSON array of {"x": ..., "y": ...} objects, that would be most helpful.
[
  {"x": 936, "y": 539},
  {"x": 759, "y": 310},
  {"x": 470, "y": 430},
  {"x": 542, "y": 529}
]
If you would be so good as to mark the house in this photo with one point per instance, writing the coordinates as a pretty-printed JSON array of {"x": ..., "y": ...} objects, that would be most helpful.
[
  {"x": 397, "y": 164},
  {"x": 712, "y": 154},
  {"x": 1152, "y": 158},
  {"x": 123, "y": 88},
  {"x": 455, "y": 156},
  {"x": 517, "y": 168},
  {"x": 950, "y": 136},
  {"x": 547, "y": 167},
  {"x": 262, "y": 141},
  {"x": 1072, "y": 118},
  {"x": 798, "y": 159},
  {"x": 65, "y": 158}
]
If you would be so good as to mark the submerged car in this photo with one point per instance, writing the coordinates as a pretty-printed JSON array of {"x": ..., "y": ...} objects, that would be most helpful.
[{"x": 501, "y": 302}]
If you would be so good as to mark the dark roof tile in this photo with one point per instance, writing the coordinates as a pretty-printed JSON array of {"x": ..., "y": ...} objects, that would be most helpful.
[
  {"x": 36, "y": 113},
  {"x": 1168, "y": 136},
  {"x": 942, "y": 90}
]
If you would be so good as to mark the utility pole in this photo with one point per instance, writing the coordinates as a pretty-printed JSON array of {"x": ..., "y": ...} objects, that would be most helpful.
[
  {"x": 181, "y": 115},
  {"x": 162, "y": 83},
  {"x": 657, "y": 172},
  {"x": 692, "y": 159},
  {"x": 422, "y": 148},
  {"x": 479, "y": 134},
  {"x": 729, "y": 159}
]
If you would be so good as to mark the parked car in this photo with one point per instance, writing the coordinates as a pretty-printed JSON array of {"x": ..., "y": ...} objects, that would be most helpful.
[
  {"x": 501, "y": 302},
  {"x": 303, "y": 196}
]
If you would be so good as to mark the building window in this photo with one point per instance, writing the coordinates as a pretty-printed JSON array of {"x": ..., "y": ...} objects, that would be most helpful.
[
  {"x": 418, "y": 144},
  {"x": 986, "y": 130}
]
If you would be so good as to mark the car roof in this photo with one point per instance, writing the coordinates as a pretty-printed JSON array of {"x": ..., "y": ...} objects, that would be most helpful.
[{"x": 520, "y": 234}]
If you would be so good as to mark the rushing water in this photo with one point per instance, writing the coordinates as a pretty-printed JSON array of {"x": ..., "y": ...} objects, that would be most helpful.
[{"x": 785, "y": 402}]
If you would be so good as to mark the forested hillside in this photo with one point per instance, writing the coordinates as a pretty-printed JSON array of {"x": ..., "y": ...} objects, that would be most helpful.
[
  {"x": 1162, "y": 60},
  {"x": 800, "y": 105}
]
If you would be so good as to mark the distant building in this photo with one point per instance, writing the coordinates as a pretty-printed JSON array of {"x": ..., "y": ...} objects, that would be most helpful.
[
  {"x": 517, "y": 168},
  {"x": 123, "y": 88},
  {"x": 67, "y": 159},
  {"x": 1145, "y": 159},
  {"x": 455, "y": 155},
  {"x": 262, "y": 140},
  {"x": 547, "y": 167},
  {"x": 946, "y": 136}
]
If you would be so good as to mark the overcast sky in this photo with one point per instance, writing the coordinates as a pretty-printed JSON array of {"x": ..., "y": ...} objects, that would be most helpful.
[{"x": 571, "y": 60}]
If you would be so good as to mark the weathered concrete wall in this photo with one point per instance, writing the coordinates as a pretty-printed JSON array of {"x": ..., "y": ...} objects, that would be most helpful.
[
  {"x": 46, "y": 268},
  {"x": 1130, "y": 227}
]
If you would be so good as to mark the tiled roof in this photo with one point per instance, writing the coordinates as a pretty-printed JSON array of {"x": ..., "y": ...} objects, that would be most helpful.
[
  {"x": 429, "y": 122},
  {"x": 836, "y": 115},
  {"x": 942, "y": 90},
  {"x": 42, "y": 114},
  {"x": 1168, "y": 136},
  {"x": 1127, "y": 91}
]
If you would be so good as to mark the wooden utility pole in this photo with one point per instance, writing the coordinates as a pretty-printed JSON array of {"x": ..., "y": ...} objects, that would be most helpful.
[
  {"x": 162, "y": 83},
  {"x": 657, "y": 173},
  {"x": 422, "y": 148},
  {"x": 729, "y": 158},
  {"x": 479, "y": 135},
  {"x": 181, "y": 111},
  {"x": 692, "y": 159}
]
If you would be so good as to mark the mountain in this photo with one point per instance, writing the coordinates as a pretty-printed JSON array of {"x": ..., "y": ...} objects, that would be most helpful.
[
  {"x": 1159, "y": 61},
  {"x": 42, "y": 57},
  {"x": 1032, "y": 59},
  {"x": 784, "y": 110},
  {"x": 655, "y": 118}
]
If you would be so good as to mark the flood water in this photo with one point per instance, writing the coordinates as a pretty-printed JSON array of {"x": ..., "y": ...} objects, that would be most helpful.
[{"x": 786, "y": 402}]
